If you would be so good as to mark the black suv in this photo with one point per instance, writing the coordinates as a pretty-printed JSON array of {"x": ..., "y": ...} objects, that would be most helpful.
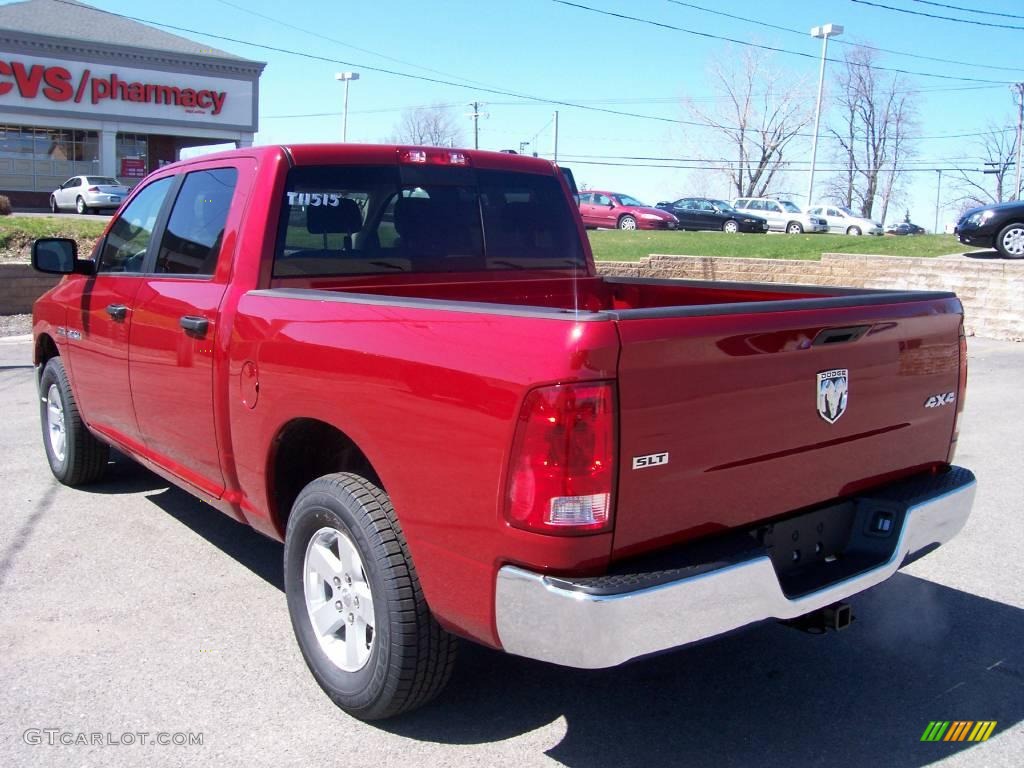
[
  {"x": 998, "y": 226},
  {"x": 705, "y": 213}
]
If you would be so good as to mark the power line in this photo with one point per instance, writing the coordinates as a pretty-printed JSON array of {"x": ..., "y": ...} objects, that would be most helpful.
[
  {"x": 775, "y": 49},
  {"x": 936, "y": 16},
  {"x": 423, "y": 78},
  {"x": 719, "y": 167},
  {"x": 970, "y": 10},
  {"x": 343, "y": 43},
  {"x": 791, "y": 164},
  {"x": 849, "y": 43}
]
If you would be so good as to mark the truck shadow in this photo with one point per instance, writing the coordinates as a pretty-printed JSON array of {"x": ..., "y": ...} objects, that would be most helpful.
[{"x": 767, "y": 696}]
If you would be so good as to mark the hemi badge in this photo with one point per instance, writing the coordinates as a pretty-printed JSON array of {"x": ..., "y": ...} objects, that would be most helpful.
[{"x": 651, "y": 460}]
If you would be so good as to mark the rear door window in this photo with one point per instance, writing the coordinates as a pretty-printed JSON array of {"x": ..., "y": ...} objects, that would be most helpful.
[{"x": 191, "y": 242}]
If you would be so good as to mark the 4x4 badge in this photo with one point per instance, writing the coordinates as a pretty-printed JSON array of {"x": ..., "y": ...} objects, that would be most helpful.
[{"x": 833, "y": 393}]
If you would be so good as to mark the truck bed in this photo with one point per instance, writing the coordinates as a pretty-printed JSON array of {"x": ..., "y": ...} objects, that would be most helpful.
[{"x": 721, "y": 377}]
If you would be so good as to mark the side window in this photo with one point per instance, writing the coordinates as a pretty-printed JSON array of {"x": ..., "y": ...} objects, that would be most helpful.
[
  {"x": 775, "y": 207},
  {"x": 602, "y": 200},
  {"x": 743, "y": 203},
  {"x": 815, "y": 211},
  {"x": 586, "y": 198},
  {"x": 755, "y": 205},
  {"x": 72, "y": 182},
  {"x": 192, "y": 239},
  {"x": 125, "y": 247}
]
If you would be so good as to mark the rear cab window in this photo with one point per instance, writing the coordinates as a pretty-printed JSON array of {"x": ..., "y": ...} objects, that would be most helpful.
[{"x": 357, "y": 220}]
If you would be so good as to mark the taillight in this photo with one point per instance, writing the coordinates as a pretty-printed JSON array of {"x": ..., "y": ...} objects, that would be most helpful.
[
  {"x": 563, "y": 460},
  {"x": 433, "y": 156},
  {"x": 961, "y": 393},
  {"x": 94, "y": 189}
]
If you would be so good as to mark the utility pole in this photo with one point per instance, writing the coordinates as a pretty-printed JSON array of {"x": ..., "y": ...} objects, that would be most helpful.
[
  {"x": 476, "y": 114},
  {"x": 347, "y": 77},
  {"x": 1019, "y": 87},
  {"x": 938, "y": 194},
  {"x": 556, "y": 137}
]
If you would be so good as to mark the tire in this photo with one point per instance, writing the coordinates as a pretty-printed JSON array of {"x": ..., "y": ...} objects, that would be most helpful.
[
  {"x": 53, "y": 205},
  {"x": 794, "y": 228},
  {"x": 75, "y": 455},
  {"x": 344, "y": 542},
  {"x": 627, "y": 223},
  {"x": 1010, "y": 241},
  {"x": 81, "y": 207},
  {"x": 731, "y": 226},
  {"x": 854, "y": 230}
]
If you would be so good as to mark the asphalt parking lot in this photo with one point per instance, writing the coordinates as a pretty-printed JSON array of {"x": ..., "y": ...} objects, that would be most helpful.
[{"x": 132, "y": 608}]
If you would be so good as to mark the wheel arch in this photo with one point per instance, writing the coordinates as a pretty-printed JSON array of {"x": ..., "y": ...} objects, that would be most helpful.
[
  {"x": 303, "y": 450},
  {"x": 45, "y": 348}
]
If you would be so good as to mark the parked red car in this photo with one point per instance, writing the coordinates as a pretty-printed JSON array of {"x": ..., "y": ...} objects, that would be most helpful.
[{"x": 617, "y": 211}]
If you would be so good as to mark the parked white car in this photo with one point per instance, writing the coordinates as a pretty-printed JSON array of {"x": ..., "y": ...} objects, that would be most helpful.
[
  {"x": 88, "y": 193},
  {"x": 843, "y": 221},
  {"x": 782, "y": 215}
]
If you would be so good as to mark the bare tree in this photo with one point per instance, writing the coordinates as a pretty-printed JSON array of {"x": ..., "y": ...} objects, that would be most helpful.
[
  {"x": 996, "y": 151},
  {"x": 763, "y": 112},
  {"x": 433, "y": 126},
  {"x": 874, "y": 128}
]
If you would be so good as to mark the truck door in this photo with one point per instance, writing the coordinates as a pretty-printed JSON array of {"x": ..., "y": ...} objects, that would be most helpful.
[
  {"x": 99, "y": 327},
  {"x": 173, "y": 338}
]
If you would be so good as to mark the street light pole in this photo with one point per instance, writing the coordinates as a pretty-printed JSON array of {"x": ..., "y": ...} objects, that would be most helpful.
[
  {"x": 824, "y": 32},
  {"x": 348, "y": 77},
  {"x": 1019, "y": 87}
]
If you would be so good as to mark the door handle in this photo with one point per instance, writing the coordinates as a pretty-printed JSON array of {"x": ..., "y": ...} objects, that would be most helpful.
[
  {"x": 194, "y": 325},
  {"x": 117, "y": 312}
]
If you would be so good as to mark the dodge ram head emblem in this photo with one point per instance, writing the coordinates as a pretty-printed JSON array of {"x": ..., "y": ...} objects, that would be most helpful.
[{"x": 833, "y": 391}]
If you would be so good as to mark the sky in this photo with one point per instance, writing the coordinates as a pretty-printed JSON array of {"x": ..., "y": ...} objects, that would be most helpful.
[{"x": 594, "y": 62}]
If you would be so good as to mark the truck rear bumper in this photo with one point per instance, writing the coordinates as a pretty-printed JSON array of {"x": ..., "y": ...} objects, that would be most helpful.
[{"x": 600, "y": 622}]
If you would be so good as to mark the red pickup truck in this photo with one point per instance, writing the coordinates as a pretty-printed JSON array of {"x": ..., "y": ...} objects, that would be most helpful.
[{"x": 401, "y": 362}]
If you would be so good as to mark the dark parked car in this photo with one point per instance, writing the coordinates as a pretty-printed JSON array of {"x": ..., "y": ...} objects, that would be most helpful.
[
  {"x": 995, "y": 226},
  {"x": 706, "y": 213},
  {"x": 904, "y": 228},
  {"x": 617, "y": 211}
]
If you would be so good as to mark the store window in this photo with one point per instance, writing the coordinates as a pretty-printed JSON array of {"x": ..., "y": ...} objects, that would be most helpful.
[
  {"x": 132, "y": 156},
  {"x": 39, "y": 159}
]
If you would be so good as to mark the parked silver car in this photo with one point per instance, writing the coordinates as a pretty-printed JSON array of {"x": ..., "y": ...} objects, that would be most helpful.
[
  {"x": 782, "y": 215},
  {"x": 843, "y": 221},
  {"x": 88, "y": 193}
]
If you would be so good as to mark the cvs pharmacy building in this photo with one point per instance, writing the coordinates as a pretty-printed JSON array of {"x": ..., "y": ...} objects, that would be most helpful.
[{"x": 83, "y": 91}]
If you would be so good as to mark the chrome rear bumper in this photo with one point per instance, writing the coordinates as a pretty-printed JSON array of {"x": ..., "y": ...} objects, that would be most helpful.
[{"x": 538, "y": 617}]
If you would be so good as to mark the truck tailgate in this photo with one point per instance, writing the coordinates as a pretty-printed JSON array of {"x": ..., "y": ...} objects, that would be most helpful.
[{"x": 733, "y": 399}]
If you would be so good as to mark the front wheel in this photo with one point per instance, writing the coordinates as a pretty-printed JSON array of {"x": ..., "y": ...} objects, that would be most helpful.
[
  {"x": 855, "y": 231},
  {"x": 76, "y": 457},
  {"x": 627, "y": 223},
  {"x": 1010, "y": 241},
  {"x": 731, "y": 226},
  {"x": 81, "y": 207},
  {"x": 355, "y": 601},
  {"x": 795, "y": 228}
]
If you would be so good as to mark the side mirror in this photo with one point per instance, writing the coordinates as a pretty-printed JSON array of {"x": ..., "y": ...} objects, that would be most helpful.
[{"x": 59, "y": 256}]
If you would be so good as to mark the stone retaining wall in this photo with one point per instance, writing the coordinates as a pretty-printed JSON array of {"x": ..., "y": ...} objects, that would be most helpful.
[
  {"x": 991, "y": 289},
  {"x": 20, "y": 286}
]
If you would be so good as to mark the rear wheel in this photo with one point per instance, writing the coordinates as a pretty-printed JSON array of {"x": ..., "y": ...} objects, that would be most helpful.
[
  {"x": 80, "y": 206},
  {"x": 355, "y": 601},
  {"x": 855, "y": 230},
  {"x": 795, "y": 228},
  {"x": 76, "y": 457},
  {"x": 627, "y": 223},
  {"x": 1010, "y": 241},
  {"x": 731, "y": 226},
  {"x": 53, "y": 205}
]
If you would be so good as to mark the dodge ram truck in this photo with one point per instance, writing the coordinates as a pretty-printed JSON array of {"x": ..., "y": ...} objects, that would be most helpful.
[{"x": 403, "y": 363}]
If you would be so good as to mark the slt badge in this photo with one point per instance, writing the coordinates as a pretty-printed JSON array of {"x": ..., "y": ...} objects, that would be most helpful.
[{"x": 833, "y": 392}]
